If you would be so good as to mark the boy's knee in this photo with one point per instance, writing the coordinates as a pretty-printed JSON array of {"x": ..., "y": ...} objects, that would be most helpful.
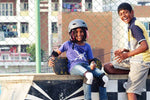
[{"x": 108, "y": 68}]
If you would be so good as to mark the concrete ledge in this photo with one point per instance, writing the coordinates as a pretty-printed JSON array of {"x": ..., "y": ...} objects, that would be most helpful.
[
  {"x": 49, "y": 86},
  {"x": 53, "y": 76},
  {"x": 117, "y": 77},
  {"x": 45, "y": 76}
]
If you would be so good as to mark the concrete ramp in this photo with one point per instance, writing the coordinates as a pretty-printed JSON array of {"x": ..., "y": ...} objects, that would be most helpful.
[
  {"x": 15, "y": 87},
  {"x": 48, "y": 86}
]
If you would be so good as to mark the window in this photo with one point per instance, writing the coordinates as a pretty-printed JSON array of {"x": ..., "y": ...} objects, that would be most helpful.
[
  {"x": 147, "y": 26},
  {"x": 24, "y": 58},
  {"x": 72, "y": 6},
  {"x": 9, "y": 29},
  {"x": 6, "y": 9},
  {"x": 14, "y": 58},
  {"x": 55, "y": 6},
  {"x": 24, "y": 28},
  {"x": 24, "y": 6},
  {"x": 88, "y": 6},
  {"x": 3, "y": 48},
  {"x": 23, "y": 48},
  {"x": 5, "y": 56},
  {"x": 54, "y": 27}
]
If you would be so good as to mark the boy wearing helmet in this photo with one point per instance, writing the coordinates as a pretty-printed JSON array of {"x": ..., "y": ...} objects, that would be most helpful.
[
  {"x": 138, "y": 54},
  {"x": 80, "y": 59}
]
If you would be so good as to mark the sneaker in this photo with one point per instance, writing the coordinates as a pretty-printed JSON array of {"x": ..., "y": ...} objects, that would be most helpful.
[{"x": 125, "y": 85}]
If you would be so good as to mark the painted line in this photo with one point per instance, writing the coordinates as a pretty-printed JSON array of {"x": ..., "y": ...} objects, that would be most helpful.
[{"x": 40, "y": 90}]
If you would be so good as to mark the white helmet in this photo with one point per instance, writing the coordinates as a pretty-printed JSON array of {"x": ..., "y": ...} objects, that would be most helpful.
[{"x": 75, "y": 24}]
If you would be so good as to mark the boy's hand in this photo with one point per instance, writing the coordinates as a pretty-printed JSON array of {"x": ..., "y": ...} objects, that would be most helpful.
[
  {"x": 121, "y": 57},
  {"x": 118, "y": 52},
  {"x": 93, "y": 65},
  {"x": 51, "y": 62}
]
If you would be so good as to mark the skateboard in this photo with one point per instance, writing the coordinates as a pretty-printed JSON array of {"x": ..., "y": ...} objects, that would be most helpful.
[{"x": 61, "y": 68}]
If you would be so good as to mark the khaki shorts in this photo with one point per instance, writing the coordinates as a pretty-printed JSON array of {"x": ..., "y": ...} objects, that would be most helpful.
[{"x": 137, "y": 76}]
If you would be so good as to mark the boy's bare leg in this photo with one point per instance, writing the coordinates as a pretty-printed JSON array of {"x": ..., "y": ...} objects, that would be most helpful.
[
  {"x": 109, "y": 69},
  {"x": 131, "y": 96}
]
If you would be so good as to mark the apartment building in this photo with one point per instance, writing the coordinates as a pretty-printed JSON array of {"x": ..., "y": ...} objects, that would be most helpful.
[
  {"x": 17, "y": 22},
  {"x": 15, "y": 19}
]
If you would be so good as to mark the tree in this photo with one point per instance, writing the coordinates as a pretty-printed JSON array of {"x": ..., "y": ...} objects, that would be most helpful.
[{"x": 31, "y": 50}]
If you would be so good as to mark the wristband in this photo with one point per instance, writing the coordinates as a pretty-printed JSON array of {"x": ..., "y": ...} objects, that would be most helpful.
[{"x": 55, "y": 54}]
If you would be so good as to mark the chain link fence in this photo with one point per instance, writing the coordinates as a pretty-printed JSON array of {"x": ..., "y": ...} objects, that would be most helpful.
[{"x": 18, "y": 35}]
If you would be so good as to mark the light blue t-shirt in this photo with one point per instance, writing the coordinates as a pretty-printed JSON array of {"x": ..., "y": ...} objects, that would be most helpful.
[{"x": 80, "y": 54}]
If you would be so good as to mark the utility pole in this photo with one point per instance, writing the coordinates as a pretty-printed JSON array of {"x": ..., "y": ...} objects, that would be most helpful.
[{"x": 38, "y": 40}]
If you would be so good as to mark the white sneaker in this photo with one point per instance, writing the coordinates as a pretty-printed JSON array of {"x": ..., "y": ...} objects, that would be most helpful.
[
  {"x": 125, "y": 85},
  {"x": 105, "y": 79}
]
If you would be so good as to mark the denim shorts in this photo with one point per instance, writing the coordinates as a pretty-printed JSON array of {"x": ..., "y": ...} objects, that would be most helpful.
[{"x": 81, "y": 68}]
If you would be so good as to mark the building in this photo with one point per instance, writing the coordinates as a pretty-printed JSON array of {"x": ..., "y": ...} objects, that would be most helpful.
[
  {"x": 15, "y": 20},
  {"x": 17, "y": 23}
]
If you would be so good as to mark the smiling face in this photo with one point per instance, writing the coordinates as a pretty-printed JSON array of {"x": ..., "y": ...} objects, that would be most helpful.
[
  {"x": 79, "y": 34},
  {"x": 126, "y": 16}
]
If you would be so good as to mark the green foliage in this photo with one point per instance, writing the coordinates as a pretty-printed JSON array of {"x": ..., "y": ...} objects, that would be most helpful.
[{"x": 31, "y": 50}]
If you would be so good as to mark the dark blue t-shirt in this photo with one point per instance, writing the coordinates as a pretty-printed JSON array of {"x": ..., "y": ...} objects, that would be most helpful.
[{"x": 136, "y": 34}]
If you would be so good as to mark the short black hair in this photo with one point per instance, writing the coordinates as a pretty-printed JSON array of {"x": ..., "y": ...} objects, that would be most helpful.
[{"x": 124, "y": 6}]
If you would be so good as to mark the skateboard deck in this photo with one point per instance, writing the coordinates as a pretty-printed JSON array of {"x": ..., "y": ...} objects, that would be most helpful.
[{"x": 61, "y": 68}]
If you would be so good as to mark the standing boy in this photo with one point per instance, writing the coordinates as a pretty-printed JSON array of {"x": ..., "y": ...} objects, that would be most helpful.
[{"x": 138, "y": 54}]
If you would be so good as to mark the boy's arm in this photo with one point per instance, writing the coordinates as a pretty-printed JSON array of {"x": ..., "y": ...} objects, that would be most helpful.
[{"x": 143, "y": 47}]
